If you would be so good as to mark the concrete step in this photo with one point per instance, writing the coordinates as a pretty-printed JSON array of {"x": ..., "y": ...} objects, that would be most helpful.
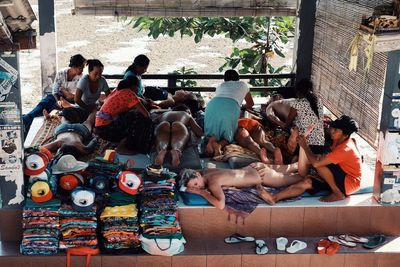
[{"x": 216, "y": 253}]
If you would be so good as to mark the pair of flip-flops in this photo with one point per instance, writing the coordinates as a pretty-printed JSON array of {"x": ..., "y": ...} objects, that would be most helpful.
[
  {"x": 327, "y": 247},
  {"x": 348, "y": 240},
  {"x": 295, "y": 246},
  {"x": 261, "y": 246}
]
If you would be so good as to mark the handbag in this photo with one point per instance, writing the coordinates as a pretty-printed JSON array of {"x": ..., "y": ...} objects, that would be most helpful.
[
  {"x": 81, "y": 251},
  {"x": 163, "y": 246}
]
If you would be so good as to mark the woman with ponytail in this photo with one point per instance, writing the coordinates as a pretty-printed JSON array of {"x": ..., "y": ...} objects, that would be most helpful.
[{"x": 306, "y": 113}]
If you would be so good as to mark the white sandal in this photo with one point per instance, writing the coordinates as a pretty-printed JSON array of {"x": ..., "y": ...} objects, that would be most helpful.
[{"x": 296, "y": 246}]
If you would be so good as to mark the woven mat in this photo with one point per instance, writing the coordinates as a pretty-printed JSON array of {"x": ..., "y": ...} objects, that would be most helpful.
[{"x": 45, "y": 133}]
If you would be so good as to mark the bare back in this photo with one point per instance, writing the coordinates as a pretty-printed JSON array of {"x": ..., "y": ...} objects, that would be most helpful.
[
  {"x": 242, "y": 178},
  {"x": 176, "y": 116}
]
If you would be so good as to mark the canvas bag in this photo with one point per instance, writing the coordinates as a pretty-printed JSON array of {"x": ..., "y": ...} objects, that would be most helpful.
[{"x": 163, "y": 246}]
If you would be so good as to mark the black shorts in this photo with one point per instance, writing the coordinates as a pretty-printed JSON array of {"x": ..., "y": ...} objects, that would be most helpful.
[
  {"x": 319, "y": 149},
  {"x": 155, "y": 93},
  {"x": 320, "y": 185},
  {"x": 118, "y": 128}
]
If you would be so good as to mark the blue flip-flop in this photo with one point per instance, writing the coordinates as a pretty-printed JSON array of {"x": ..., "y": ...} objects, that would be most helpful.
[
  {"x": 375, "y": 241},
  {"x": 237, "y": 238}
]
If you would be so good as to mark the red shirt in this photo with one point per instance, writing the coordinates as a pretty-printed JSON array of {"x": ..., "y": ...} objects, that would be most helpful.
[
  {"x": 118, "y": 102},
  {"x": 348, "y": 158}
]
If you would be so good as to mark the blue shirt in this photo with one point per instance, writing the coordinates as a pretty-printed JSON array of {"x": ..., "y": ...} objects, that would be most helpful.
[{"x": 140, "y": 85}]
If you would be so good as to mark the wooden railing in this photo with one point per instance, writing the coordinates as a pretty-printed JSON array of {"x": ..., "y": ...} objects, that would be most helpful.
[{"x": 173, "y": 78}]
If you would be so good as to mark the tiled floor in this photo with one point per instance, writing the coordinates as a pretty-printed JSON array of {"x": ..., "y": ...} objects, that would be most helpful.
[{"x": 217, "y": 253}]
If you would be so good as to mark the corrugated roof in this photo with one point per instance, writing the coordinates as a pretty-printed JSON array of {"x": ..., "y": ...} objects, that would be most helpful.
[
  {"x": 15, "y": 16},
  {"x": 187, "y": 8}
]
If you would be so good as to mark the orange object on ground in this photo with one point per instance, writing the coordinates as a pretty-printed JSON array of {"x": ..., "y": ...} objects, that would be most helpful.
[
  {"x": 322, "y": 246},
  {"x": 332, "y": 249},
  {"x": 248, "y": 124}
]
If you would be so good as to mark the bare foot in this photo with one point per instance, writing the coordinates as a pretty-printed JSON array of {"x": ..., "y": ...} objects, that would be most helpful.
[
  {"x": 159, "y": 160},
  {"x": 292, "y": 141},
  {"x": 176, "y": 157},
  {"x": 333, "y": 197},
  {"x": 46, "y": 115},
  {"x": 209, "y": 146},
  {"x": 267, "y": 197},
  {"x": 278, "y": 158},
  {"x": 263, "y": 155},
  {"x": 64, "y": 103},
  {"x": 217, "y": 149}
]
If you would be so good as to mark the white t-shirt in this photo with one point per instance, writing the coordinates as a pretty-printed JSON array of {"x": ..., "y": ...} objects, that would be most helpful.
[
  {"x": 305, "y": 117},
  {"x": 236, "y": 90},
  {"x": 61, "y": 81},
  {"x": 87, "y": 96}
]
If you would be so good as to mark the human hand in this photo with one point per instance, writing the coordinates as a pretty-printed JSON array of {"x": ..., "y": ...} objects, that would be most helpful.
[
  {"x": 195, "y": 190},
  {"x": 302, "y": 141}
]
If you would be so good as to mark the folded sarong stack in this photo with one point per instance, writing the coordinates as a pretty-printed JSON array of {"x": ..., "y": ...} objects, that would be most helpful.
[
  {"x": 120, "y": 227},
  {"x": 41, "y": 226},
  {"x": 78, "y": 228},
  {"x": 159, "y": 210}
]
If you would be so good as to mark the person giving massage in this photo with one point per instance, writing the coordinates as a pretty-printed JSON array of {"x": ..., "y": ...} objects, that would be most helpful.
[{"x": 209, "y": 183}]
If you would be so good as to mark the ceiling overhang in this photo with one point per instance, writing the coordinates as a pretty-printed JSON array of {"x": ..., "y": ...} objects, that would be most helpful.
[{"x": 187, "y": 8}]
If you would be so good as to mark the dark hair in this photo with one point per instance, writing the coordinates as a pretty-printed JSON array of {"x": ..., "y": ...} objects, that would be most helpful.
[
  {"x": 94, "y": 63},
  {"x": 186, "y": 176},
  {"x": 139, "y": 61},
  {"x": 68, "y": 150},
  {"x": 345, "y": 123},
  {"x": 231, "y": 75},
  {"x": 304, "y": 88},
  {"x": 128, "y": 82},
  {"x": 77, "y": 61}
]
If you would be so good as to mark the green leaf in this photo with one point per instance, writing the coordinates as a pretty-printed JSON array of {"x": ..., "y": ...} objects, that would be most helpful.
[{"x": 278, "y": 52}]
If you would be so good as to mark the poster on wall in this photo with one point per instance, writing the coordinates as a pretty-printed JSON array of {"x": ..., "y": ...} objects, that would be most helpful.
[{"x": 11, "y": 149}]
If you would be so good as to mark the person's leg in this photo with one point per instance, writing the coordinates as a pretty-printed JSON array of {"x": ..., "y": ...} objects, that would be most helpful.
[
  {"x": 163, "y": 135},
  {"x": 258, "y": 135},
  {"x": 326, "y": 174},
  {"x": 179, "y": 138},
  {"x": 54, "y": 146},
  {"x": 210, "y": 145},
  {"x": 47, "y": 103},
  {"x": 284, "y": 168},
  {"x": 273, "y": 178},
  {"x": 293, "y": 190},
  {"x": 243, "y": 138},
  {"x": 89, "y": 122},
  {"x": 303, "y": 163}
]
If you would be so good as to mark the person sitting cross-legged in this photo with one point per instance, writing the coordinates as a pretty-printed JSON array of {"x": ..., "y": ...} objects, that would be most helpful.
[{"x": 338, "y": 171}]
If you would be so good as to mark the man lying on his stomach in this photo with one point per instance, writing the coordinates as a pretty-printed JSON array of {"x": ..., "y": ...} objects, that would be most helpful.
[{"x": 209, "y": 182}]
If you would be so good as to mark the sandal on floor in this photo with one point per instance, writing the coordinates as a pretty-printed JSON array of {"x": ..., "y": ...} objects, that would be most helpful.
[
  {"x": 332, "y": 249},
  {"x": 323, "y": 245},
  {"x": 261, "y": 247},
  {"x": 342, "y": 242},
  {"x": 281, "y": 243},
  {"x": 237, "y": 238},
  {"x": 375, "y": 241},
  {"x": 353, "y": 238},
  {"x": 296, "y": 246}
]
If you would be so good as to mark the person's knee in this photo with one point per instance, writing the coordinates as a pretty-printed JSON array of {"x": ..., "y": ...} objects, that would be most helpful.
[{"x": 306, "y": 183}]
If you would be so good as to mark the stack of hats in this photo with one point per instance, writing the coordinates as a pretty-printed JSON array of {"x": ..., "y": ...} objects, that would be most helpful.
[
  {"x": 41, "y": 228},
  {"x": 79, "y": 222},
  {"x": 159, "y": 210},
  {"x": 120, "y": 227}
]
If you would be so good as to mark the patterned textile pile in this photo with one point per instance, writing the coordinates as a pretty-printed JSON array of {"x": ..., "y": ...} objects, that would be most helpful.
[
  {"x": 78, "y": 229},
  {"x": 41, "y": 228},
  {"x": 159, "y": 210},
  {"x": 120, "y": 227}
]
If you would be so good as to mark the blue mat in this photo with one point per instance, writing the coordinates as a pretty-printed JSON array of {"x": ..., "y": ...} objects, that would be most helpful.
[{"x": 191, "y": 199}]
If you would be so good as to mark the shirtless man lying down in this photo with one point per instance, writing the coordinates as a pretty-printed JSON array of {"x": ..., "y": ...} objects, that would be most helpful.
[{"x": 209, "y": 182}]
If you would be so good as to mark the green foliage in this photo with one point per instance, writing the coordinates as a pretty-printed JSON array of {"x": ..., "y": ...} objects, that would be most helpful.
[
  {"x": 185, "y": 83},
  {"x": 267, "y": 36}
]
